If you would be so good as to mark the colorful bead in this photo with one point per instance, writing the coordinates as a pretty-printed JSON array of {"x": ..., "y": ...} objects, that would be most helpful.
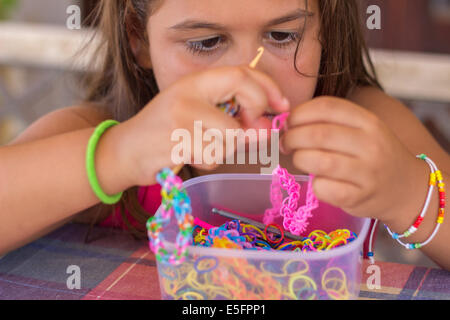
[
  {"x": 432, "y": 179},
  {"x": 435, "y": 175},
  {"x": 418, "y": 222}
]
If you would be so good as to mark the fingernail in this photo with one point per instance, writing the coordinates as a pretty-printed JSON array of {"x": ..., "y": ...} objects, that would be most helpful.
[{"x": 285, "y": 103}]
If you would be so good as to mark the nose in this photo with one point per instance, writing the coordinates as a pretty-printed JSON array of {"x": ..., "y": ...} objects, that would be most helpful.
[{"x": 245, "y": 55}]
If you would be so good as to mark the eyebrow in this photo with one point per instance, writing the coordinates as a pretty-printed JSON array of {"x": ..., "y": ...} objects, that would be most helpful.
[{"x": 196, "y": 24}]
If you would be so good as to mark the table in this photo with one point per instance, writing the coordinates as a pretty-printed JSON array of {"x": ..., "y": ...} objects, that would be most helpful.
[{"x": 116, "y": 266}]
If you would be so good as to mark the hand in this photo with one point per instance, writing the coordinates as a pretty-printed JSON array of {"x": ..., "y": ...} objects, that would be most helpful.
[
  {"x": 147, "y": 136},
  {"x": 359, "y": 164}
]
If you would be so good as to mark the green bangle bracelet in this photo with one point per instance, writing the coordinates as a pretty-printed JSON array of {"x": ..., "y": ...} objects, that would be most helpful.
[{"x": 90, "y": 163}]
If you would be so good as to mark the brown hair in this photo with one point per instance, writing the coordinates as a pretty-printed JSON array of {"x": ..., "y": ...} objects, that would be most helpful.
[{"x": 123, "y": 87}]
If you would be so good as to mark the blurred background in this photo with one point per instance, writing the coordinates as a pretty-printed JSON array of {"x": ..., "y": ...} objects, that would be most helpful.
[{"x": 411, "y": 53}]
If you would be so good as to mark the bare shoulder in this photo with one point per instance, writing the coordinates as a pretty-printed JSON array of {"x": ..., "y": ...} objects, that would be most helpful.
[
  {"x": 402, "y": 121},
  {"x": 62, "y": 121}
]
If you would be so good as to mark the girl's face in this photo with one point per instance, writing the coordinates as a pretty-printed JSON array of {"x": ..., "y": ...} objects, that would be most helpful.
[{"x": 192, "y": 35}]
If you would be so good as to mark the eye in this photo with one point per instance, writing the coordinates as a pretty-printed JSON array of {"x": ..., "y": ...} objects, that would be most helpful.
[
  {"x": 206, "y": 46},
  {"x": 283, "y": 39}
]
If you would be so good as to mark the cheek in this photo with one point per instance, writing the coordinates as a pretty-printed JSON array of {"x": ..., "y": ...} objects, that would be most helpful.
[
  {"x": 299, "y": 87},
  {"x": 169, "y": 63},
  {"x": 168, "y": 67}
]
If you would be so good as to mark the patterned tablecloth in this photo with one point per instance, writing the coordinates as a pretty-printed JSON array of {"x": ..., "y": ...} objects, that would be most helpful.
[{"x": 115, "y": 266}]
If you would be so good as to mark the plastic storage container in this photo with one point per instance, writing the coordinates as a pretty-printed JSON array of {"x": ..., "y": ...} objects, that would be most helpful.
[{"x": 212, "y": 273}]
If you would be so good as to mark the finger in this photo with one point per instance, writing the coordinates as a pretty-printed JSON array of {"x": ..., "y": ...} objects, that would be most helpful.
[
  {"x": 277, "y": 101},
  {"x": 330, "y": 165},
  {"x": 333, "y": 110},
  {"x": 254, "y": 90},
  {"x": 337, "y": 193},
  {"x": 212, "y": 118},
  {"x": 330, "y": 137}
]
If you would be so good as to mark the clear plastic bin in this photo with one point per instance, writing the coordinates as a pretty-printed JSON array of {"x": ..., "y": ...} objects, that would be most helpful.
[{"x": 210, "y": 273}]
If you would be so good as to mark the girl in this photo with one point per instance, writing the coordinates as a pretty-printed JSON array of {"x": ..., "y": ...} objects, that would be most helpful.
[{"x": 167, "y": 63}]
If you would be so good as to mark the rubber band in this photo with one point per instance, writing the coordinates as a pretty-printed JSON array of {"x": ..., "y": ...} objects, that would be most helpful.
[
  {"x": 194, "y": 294},
  {"x": 163, "y": 272},
  {"x": 249, "y": 226},
  {"x": 211, "y": 268},
  {"x": 342, "y": 293},
  {"x": 277, "y": 227},
  {"x": 292, "y": 280}
]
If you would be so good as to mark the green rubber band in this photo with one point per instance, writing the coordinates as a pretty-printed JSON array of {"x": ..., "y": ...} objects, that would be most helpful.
[{"x": 90, "y": 164}]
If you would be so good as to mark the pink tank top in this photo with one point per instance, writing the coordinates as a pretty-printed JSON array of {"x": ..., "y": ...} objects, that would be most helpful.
[{"x": 149, "y": 198}]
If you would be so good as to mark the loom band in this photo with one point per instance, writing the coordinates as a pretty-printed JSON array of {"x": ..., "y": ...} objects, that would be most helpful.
[
  {"x": 322, "y": 246},
  {"x": 309, "y": 283},
  {"x": 297, "y": 271},
  {"x": 239, "y": 240},
  {"x": 192, "y": 295},
  {"x": 340, "y": 233},
  {"x": 246, "y": 271},
  {"x": 233, "y": 233},
  {"x": 287, "y": 224},
  {"x": 194, "y": 230},
  {"x": 297, "y": 243},
  {"x": 335, "y": 242},
  {"x": 224, "y": 243},
  {"x": 285, "y": 246},
  {"x": 271, "y": 289},
  {"x": 249, "y": 226},
  {"x": 337, "y": 286},
  {"x": 314, "y": 295},
  {"x": 250, "y": 237},
  {"x": 261, "y": 243},
  {"x": 307, "y": 242},
  {"x": 318, "y": 233},
  {"x": 176, "y": 260},
  {"x": 171, "y": 287},
  {"x": 340, "y": 272},
  {"x": 199, "y": 238},
  {"x": 277, "y": 227},
  {"x": 192, "y": 281},
  {"x": 182, "y": 241},
  {"x": 311, "y": 246},
  {"x": 292, "y": 199},
  {"x": 294, "y": 195},
  {"x": 238, "y": 225},
  {"x": 272, "y": 273},
  {"x": 169, "y": 273},
  {"x": 230, "y": 285},
  {"x": 255, "y": 235}
]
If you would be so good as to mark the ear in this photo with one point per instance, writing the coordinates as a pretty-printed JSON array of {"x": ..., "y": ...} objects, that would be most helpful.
[{"x": 141, "y": 51}]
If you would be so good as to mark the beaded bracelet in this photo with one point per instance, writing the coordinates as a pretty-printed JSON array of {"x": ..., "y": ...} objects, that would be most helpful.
[
  {"x": 417, "y": 223},
  {"x": 174, "y": 200},
  {"x": 90, "y": 163},
  {"x": 436, "y": 175}
]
